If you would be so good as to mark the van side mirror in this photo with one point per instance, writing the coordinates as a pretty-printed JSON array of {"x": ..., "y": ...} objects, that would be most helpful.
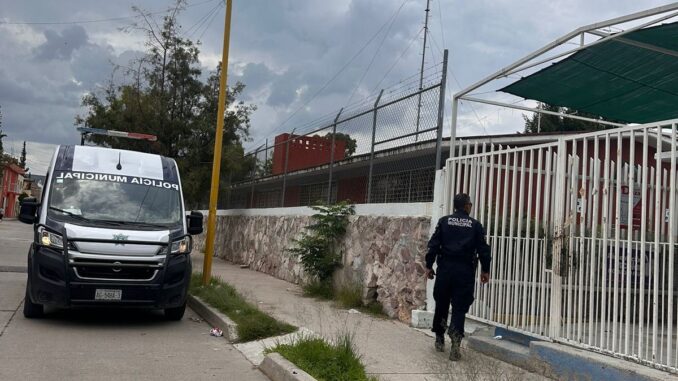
[
  {"x": 194, "y": 221},
  {"x": 28, "y": 213}
]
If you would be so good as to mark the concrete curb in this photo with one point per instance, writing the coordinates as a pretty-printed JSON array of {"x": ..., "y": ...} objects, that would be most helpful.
[
  {"x": 561, "y": 362},
  {"x": 274, "y": 366},
  {"x": 569, "y": 363},
  {"x": 13, "y": 269},
  {"x": 214, "y": 317},
  {"x": 278, "y": 368}
]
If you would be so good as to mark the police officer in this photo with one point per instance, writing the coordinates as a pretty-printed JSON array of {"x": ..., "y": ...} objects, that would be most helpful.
[{"x": 456, "y": 245}]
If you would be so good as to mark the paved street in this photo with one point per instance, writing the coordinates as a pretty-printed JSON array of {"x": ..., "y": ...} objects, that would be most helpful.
[{"x": 102, "y": 344}]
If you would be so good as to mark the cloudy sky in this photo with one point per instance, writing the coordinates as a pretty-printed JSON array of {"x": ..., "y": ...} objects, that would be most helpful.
[{"x": 285, "y": 51}]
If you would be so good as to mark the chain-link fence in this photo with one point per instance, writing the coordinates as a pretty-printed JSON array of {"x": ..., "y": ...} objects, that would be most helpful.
[{"x": 382, "y": 149}]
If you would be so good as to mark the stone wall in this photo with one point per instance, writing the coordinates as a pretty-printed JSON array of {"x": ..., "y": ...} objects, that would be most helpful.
[{"x": 385, "y": 254}]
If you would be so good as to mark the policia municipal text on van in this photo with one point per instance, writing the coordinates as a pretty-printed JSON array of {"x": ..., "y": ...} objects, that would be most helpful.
[{"x": 456, "y": 245}]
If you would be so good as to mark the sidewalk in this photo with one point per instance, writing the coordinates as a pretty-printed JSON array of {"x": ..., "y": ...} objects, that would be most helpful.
[{"x": 391, "y": 350}]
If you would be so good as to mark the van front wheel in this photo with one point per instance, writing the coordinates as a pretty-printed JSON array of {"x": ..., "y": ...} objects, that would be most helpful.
[
  {"x": 32, "y": 310},
  {"x": 175, "y": 313}
]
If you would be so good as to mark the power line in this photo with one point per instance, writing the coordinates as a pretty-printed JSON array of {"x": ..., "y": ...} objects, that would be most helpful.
[
  {"x": 214, "y": 15},
  {"x": 440, "y": 18},
  {"x": 201, "y": 20},
  {"x": 394, "y": 17},
  {"x": 394, "y": 91},
  {"x": 333, "y": 77},
  {"x": 94, "y": 21},
  {"x": 414, "y": 37}
]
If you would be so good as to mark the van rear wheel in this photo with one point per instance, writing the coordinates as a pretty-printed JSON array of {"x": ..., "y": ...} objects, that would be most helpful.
[
  {"x": 32, "y": 310},
  {"x": 175, "y": 313}
]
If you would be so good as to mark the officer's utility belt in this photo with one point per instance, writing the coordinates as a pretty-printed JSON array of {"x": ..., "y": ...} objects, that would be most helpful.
[{"x": 464, "y": 258}]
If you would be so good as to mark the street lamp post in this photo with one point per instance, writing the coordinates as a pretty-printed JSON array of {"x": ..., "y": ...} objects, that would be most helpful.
[{"x": 216, "y": 162}]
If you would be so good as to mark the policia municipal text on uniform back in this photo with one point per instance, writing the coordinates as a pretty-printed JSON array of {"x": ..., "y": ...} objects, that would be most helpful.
[{"x": 456, "y": 245}]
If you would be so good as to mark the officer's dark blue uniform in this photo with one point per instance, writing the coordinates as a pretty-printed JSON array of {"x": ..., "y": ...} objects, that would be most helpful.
[{"x": 456, "y": 245}]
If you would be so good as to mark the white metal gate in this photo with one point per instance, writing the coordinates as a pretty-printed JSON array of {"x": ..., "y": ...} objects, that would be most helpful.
[{"x": 583, "y": 236}]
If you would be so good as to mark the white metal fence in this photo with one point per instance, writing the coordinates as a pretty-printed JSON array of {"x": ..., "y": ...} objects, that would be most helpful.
[{"x": 583, "y": 236}]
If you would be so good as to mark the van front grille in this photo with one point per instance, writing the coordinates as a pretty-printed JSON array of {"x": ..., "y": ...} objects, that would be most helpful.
[{"x": 98, "y": 269}]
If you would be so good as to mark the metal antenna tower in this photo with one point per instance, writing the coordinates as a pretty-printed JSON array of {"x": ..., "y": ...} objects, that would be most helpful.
[{"x": 421, "y": 72}]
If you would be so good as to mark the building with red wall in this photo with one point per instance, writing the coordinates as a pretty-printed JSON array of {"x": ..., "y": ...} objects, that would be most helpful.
[
  {"x": 401, "y": 174},
  {"x": 12, "y": 185},
  {"x": 304, "y": 152}
]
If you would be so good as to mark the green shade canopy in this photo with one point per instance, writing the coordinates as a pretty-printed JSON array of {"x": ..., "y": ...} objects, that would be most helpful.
[{"x": 633, "y": 79}]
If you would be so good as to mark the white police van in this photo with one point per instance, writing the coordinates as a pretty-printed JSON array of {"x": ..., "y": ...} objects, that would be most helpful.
[{"x": 111, "y": 230}]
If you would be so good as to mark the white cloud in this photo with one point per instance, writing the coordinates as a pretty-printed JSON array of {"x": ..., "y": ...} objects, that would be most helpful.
[
  {"x": 284, "y": 51},
  {"x": 38, "y": 155}
]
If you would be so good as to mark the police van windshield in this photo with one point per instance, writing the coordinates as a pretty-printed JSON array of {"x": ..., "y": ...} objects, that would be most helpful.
[{"x": 104, "y": 198}]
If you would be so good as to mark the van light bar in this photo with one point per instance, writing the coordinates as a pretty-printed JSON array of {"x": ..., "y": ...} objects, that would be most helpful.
[{"x": 120, "y": 134}]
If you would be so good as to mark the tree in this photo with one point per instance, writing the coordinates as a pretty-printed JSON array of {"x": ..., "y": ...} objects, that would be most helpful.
[
  {"x": 553, "y": 123},
  {"x": 165, "y": 96},
  {"x": 1, "y": 134},
  {"x": 351, "y": 143},
  {"x": 3, "y": 160},
  {"x": 22, "y": 159}
]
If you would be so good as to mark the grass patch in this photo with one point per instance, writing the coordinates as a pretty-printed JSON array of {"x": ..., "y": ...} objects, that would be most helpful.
[
  {"x": 325, "y": 361},
  {"x": 375, "y": 309},
  {"x": 253, "y": 324},
  {"x": 346, "y": 296},
  {"x": 317, "y": 289},
  {"x": 349, "y": 295}
]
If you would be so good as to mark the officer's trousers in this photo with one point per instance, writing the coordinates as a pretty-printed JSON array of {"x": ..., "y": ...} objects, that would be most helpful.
[{"x": 454, "y": 285}]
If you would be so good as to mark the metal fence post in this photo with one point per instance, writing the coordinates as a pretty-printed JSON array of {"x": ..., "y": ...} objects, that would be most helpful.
[
  {"x": 266, "y": 157},
  {"x": 334, "y": 134},
  {"x": 558, "y": 240},
  {"x": 287, "y": 157},
  {"x": 441, "y": 112},
  {"x": 254, "y": 172},
  {"x": 230, "y": 189},
  {"x": 453, "y": 128},
  {"x": 374, "y": 134}
]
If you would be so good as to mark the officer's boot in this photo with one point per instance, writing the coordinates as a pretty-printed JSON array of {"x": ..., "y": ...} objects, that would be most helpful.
[
  {"x": 440, "y": 342},
  {"x": 455, "y": 352}
]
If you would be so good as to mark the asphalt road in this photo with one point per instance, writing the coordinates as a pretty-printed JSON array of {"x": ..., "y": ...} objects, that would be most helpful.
[{"x": 102, "y": 344}]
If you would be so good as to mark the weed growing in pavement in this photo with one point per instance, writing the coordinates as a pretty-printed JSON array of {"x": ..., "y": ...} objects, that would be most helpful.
[
  {"x": 317, "y": 289},
  {"x": 253, "y": 324},
  {"x": 346, "y": 295},
  {"x": 374, "y": 308},
  {"x": 475, "y": 366},
  {"x": 349, "y": 295},
  {"x": 336, "y": 361}
]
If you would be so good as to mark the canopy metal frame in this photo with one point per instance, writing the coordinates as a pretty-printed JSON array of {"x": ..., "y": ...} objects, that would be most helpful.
[{"x": 536, "y": 58}]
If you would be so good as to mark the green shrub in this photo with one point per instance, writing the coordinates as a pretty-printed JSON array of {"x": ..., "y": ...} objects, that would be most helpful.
[{"x": 318, "y": 249}]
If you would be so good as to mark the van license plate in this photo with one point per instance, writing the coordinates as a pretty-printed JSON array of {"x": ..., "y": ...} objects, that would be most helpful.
[{"x": 107, "y": 294}]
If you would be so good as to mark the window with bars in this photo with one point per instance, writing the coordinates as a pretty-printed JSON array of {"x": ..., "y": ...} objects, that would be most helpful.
[
  {"x": 313, "y": 194},
  {"x": 407, "y": 186}
]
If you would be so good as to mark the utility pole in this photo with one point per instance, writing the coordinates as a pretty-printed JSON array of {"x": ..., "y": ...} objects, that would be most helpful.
[
  {"x": 421, "y": 72},
  {"x": 216, "y": 162}
]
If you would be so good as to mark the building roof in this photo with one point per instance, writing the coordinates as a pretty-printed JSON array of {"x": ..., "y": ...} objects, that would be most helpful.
[
  {"x": 633, "y": 78},
  {"x": 15, "y": 168}
]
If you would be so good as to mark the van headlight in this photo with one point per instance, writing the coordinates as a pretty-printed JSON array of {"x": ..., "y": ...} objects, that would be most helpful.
[
  {"x": 181, "y": 246},
  {"x": 47, "y": 238}
]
